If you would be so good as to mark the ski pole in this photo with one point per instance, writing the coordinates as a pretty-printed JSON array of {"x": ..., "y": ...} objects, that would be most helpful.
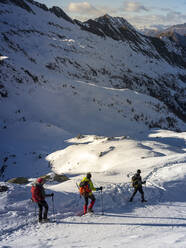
[
  {"x": 53, "y": 207},
  {"x": 157, "y": 186},
  {"x": 53, "y": 204},
  {"x": 29, "y": 205},
  {"x": 35, "y": 210},
  {"x": 102, "y": 203},
  {"x": 34, "y": 205},
  {"x": 78, "y": 189}
]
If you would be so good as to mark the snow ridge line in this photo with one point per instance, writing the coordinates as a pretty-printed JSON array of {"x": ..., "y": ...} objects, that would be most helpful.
[{"x": 166, "y": 165}]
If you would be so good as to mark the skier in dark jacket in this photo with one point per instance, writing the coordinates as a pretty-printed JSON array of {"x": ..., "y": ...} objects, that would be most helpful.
[
  {"x": 38, "y": 196},
  {"x": 137, "y": 184}
]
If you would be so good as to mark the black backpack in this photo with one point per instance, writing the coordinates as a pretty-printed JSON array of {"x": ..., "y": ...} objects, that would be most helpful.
[{"x": 134, "y": 181}]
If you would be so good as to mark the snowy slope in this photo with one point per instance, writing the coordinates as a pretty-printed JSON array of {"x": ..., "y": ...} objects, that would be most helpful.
[
  {"x": 67, "y": 106},
  {"x": 34, "y": 129},
  {"x": 159, "y": 223},
  {"x": 58, "y": 81},
  {"x": 139, "y": 63}
]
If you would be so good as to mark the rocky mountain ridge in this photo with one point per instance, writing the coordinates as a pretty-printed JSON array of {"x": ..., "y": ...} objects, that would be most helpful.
[
  {"x": 145, "y": 64},
  {"x": 58, "y": 81},
  {"x": 179, "y": 29},
  {"x": 176, "y": 33}
]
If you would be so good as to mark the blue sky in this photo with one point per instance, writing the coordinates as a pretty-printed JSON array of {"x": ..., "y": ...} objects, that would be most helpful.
[{"x": 142, "y": 13}]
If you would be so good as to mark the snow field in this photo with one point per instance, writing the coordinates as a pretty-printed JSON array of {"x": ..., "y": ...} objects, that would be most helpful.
[{"x": 159, "y": 223}]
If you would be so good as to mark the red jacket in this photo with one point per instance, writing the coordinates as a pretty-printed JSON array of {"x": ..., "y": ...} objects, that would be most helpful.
[{"x": 38, "y": 192}]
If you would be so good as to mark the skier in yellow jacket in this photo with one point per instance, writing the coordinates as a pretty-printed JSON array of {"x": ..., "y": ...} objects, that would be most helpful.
[{"x": 86, "y": 187}]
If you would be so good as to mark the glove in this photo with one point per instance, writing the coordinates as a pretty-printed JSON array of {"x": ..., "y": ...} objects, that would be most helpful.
[
  {"x": 100, "y": 188},
  {"x": 52, "y": 194},
  {"x": 144, "y": 182}
]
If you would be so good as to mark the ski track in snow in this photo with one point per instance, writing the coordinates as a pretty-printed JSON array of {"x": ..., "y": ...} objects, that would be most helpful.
[
  {"x": 159, "y": 223},
  {"x": 119, "y": 229}
]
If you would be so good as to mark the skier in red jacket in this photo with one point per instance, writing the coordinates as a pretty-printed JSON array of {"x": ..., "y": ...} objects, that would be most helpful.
[{"x": 38, "y": 196}]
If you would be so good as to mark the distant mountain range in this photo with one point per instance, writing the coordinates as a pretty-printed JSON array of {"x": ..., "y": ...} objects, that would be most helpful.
[
  {"x": 179, "y": 29},
  {"x": 177, "y": 33}
]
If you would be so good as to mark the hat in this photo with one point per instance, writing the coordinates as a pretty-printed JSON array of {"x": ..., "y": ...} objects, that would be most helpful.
[
  {"x": 40, "y": 180},
  {"x": 138, "y": 171},
  {"x": 89, "y": 175}
]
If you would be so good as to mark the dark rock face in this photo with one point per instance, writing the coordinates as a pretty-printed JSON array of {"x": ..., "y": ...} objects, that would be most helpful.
[
  {"x": 19, "y": 3},
  {"x": 60, "y": 13},
  {"x": 115, "y": 27},
  {"x": 170, "y": 57},
  {"x": 40, "y": 5},
  {"x": 55, "y": 10},
  {"x": 180, "y": 40},
  {"x": 18, "y": 180}
]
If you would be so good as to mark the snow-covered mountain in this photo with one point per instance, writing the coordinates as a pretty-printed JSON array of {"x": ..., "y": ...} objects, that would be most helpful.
[
  {"x": 176, "y": 33},
  {"x": 179, "y": 29},
  {"x": 99, "y": 97},
  {"x": 115, "y": 27},
  {"x": 180, "y": 40},
  {"x": 60, "y": 78}
]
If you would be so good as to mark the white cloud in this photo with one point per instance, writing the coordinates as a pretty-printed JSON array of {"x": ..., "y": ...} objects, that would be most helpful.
[
  {"x": 170, "y": 18},
  {"x": 134, "y": 7},
  {"x": 174, "y": 16},
  {"x": 83, "y": 8}
]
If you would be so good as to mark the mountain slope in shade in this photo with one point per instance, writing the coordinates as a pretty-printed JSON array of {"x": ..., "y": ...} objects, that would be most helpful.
[
  {"x": 58, "y": 81},
  {"x": 176, "y": 33}
]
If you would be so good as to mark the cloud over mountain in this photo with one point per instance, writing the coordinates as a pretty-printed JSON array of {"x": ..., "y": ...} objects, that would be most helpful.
[
  {"x": 83, "y": 8},
  {"x": 134, "y": 7}
]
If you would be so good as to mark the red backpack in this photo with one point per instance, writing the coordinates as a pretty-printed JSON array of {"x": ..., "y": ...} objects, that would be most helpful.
[
  {"x": 84, "y": 188},
  {"x": 36, "y": 193}
]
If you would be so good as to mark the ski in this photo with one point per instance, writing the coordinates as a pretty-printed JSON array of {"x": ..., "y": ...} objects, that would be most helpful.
[
  {"x": 46, "y": 221},
  {"x": 80, "y": 213}
]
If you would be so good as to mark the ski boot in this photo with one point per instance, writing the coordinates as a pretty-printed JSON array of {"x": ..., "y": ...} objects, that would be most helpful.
[
  {"x": 45, "y": 220},
  {"x": 90, "y": 210}
]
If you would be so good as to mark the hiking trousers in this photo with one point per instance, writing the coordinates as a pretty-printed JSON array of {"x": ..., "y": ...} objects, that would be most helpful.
[
  {"x": 41, "y": 205},
  {"x": 136, "y": 189},
  {"x": 86, "y": 197}
]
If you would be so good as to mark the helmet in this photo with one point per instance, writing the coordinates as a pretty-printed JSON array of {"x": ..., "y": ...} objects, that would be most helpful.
[
  {"x": 89, "y": 175},
  {"x": 40, "y": 180},
  {"x": 138, "y": 171}
]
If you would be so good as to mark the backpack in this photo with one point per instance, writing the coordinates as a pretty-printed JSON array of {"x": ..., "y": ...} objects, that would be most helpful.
[
  {"x": 134, "y": 181},
  {"x": 84, "y": 187},
  {"x": 36, "y": 193}
]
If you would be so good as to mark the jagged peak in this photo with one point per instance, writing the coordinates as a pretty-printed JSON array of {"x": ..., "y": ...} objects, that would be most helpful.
[
  {"x": 117, "y": 22},
  {"x": 60, "y": 13}
]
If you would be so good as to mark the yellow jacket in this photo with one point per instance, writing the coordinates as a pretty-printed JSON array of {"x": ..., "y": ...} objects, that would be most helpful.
[{"x": 90, "y": 183}]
